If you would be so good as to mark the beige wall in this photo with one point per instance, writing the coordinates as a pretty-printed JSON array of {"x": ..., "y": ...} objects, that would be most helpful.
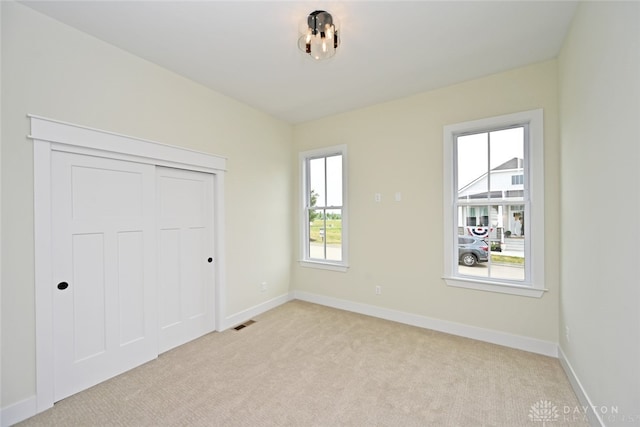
[
  {"x": 54, "y": 71},
  {"x": 600, "y": 112},
  {"x": 397, "y": 146}
]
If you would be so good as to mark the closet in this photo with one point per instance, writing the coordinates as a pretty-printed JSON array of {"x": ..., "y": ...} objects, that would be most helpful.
[{"x": 127, "y": 254}]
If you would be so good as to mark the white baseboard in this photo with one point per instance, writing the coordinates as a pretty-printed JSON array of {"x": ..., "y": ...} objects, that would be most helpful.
[
  {"x": 17, "y": 412},
  {"x": 244, "y": 315},
  {"x": 581, "y": 394},
  {"x": 519, "y": 342}
]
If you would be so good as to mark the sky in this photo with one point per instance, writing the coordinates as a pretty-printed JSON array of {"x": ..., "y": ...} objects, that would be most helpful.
[
  {"x": 333, "y": 182},
  {"x": 473, "y": 152}
]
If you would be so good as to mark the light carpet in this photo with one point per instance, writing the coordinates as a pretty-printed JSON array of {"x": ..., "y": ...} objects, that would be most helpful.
[{"x": 303, "y": 364}]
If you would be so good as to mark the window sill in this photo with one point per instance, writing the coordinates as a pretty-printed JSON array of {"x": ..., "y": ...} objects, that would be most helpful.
[
  {"x": 324, "y": 265},
  {"x": 488, "y": 286}
]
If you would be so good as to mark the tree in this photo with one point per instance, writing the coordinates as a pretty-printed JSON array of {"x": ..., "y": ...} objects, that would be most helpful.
[{"x": 313, "y": 214}]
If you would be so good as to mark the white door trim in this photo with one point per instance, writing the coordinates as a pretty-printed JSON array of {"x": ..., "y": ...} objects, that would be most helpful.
[{"x": 51, "y": 135}]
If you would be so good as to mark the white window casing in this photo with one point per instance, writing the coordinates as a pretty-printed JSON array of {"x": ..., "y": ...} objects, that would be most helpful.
[
  {"x": 305, "y": 258},
  {"x": 533, "y": 283}
]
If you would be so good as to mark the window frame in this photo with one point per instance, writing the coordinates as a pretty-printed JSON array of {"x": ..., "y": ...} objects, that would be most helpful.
[
  {"x": 304, "y": 259},
  {"x": 533, "y": 286}
]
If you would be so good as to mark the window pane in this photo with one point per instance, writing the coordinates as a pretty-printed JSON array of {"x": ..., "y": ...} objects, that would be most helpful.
[
  {"x": 317, "y": 182},
  {"x": 507, "y": 256},
  {"x": 472, "y": 164},
  {"x": 473, "y": 249},
  {"x": 325, "y": 234},
  {"x": 506, "y": 163},
  {"x": 316, "y": 233},
  {"x": 333, "y": 235},
  {"x": 490, "y": 242},
  {"x": 517, "y": 179},
  {"x": 334, "y": 181},
  {"x": 506, "y": 144}
]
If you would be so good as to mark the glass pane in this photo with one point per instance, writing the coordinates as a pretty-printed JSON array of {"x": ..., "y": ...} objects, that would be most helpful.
[
  {"x": 473, "y": 249},
  {"x": 507, "y": 164},
  {"x": 334, "y": 181},
  {"x": 333, "y": 235},
  {"x": 316, "y": 233},
  {"x": 325, "y": 234},
  {"x": 507, "y": 245},
  {"x": 317, "y": 182},
  {"x": 494, "y": 246},
  {"x": 472, "y": 164}
]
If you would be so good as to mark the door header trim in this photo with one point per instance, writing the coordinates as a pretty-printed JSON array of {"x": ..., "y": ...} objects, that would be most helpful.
[{"x": 76, "y": 139}]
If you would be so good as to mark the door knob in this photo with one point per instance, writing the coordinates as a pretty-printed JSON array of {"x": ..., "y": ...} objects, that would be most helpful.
[
  {"x": 63, "y": 285},
  {"x": 210, "y": 260}
]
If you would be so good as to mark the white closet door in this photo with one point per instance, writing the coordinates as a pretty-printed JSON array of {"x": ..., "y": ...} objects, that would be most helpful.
[
  {"x": 104, "y": 307},
  {"x": 185, "y": 256}
]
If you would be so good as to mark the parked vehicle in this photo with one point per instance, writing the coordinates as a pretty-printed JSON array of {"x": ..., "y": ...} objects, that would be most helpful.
[{"x": 472, "y": 250}]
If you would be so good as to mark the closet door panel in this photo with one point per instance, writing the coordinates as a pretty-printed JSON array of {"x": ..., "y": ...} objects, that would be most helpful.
[
  {"x": 103, "y": 237},
  {"x": 185, "y": 230}
]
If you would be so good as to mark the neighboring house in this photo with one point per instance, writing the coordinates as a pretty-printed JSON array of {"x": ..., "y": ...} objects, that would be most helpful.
[{"x": 507, "y": 185}]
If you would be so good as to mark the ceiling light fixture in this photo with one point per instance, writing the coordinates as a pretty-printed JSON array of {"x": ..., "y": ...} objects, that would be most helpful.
[{"x": 319, "y": 37}]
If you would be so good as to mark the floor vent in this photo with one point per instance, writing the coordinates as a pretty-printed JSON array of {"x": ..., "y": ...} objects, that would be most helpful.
[{"x": 244, "y": 325}]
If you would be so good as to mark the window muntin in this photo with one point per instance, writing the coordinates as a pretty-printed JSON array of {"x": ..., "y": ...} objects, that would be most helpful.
[
  {"x": 324, "y": 207},
  {"x": 481, "y": 200}
]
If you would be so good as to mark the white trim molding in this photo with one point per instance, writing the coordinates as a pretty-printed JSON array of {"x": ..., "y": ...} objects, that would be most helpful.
[
  {"x": 17, "y": 412},
  {"x": 585, "y": 403},
  {"x": 74, "y": 138},
  {"x": 519, "y": 342},
  {"x": 244, "y": 315},
  {"x": 51, "y": 135}
]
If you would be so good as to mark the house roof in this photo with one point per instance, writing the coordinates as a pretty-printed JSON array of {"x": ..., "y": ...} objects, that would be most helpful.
[
  {"x": 511, "y": 164},
  {"x": 514, "y": 163}
]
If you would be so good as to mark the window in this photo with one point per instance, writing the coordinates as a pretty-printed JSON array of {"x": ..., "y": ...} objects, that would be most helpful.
[
  {"x": 324, "y": 208},
  {"x": 494, "y": 204}
]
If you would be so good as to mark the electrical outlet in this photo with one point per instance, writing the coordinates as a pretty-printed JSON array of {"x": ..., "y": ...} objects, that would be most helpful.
[
  {"x": 377, "y": 197},
  {"x": 378, "y": 290},
  {"x": 263, "y": 287}
]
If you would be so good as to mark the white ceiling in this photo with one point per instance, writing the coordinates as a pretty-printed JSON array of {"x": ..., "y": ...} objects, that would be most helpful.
[{"x": 247, "y": 50}]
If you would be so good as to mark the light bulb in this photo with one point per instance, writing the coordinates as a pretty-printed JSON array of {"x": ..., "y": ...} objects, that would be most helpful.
[{"x": 329, "y": 31}]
